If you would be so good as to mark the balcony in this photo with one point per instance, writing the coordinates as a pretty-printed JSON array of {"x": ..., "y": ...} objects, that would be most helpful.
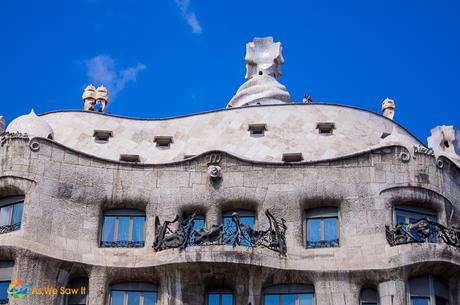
[
  {"x": 234, "y": 232},
  {"x": 9, "y": 228},
  {"x": 122, "y": 244},
  {"x": 421, "y": 231}
]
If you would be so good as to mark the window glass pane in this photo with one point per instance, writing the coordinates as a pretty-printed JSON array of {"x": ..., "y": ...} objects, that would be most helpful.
[
  {"x": 245, "y": 240},
  {"x": 123, "y": 228},
  {"x": 117, "y": 297},
  {"x": 420, "y": 301},
  {"x": 150, "y": 298},
  {"x": 108, "y": 229},
  {"x": 3, "y": 288},
  {"x": 138, "y": 229},
  {"x": 5, "y": 214},
  {"x": 227, "y": 299},
  {"x": 288, "y": 299},
  {"x": 330, "y": 229},
  {"x": 247, "y": 220},
  {"x": 271, "y": 300},
  {"x": 306, "y": 299},
  {"x": 400, "y": 220},
  {"x": 198, "y": 224},
  {"x": 134, "y": 298},
  {"x": 314, "y": 230},
  {"x": 213, "y": 299},
  {"x": 441, "y": 301},
  {"x": 17, "y": 213},
  {"x": 229, "y": 230}
]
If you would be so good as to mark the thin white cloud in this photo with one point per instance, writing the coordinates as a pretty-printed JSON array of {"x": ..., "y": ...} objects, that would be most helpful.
[
  {"x": 101, "y": 70},
  {"x": 189, "y": 16}
]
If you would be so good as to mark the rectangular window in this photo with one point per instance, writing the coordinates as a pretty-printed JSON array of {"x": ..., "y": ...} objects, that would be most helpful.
[
  {"x": 130, "y": 158},
  {"x": 322, "y": 228},
  {"x": 123, "y": 231},
  {"x": 220, "y": 299},
  {"x": 408, "y": 215},
  {"x": 199, "y": 223},
  {"x": 79, "y": 298},
  {"x": 289, "y": 299},
  {"x": 3, "y": 294},
  {"x": 257, "y": 130},
  {"x": 102, "y": 136},
  {"x": 441, "y": 301},
  {"x": 133, "y": 297},
  {"x": 325, "y": 128},
  {"x": 163, "y": 141},
  {"x": 292, "y": 157},
  {"x": 246, "y": 219},
  {"x": 11, "y": 215},
  {"x": 420, "y": 301}
]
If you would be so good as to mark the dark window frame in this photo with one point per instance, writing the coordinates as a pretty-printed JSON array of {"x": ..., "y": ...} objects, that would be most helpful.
[
  {"x": 85, "y": 281},
  {"x": 242, "y": 213},
  {"x": 432, "y": 291},
  {"x": 325, "y": 128},
  {"x": 322, "y": 214},
  {"x": 128, "y": 287},
  {"x": 407, "y": 211},
  {"x": 289, "y": 289},
  {"x": 116, "y": 243},
  {"x": 257, "y": 130},
  {"x": 220, "y": 293},
  {"x": 102, "y": 136},
  {"x": 14, "y": 202},
  {"x": 366, "y": 299}
]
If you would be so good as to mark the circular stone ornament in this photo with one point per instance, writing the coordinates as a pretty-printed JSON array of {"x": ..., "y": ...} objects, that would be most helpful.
[
  {"x": 404, "y": 156},
  {"x": 214, "y": 171},
  {"x": 439, "y": 163},
  {"x": 34, "y": 146}
]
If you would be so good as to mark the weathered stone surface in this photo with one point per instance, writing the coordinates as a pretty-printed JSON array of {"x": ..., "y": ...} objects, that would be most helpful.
[{"x": 65, "y": 199}]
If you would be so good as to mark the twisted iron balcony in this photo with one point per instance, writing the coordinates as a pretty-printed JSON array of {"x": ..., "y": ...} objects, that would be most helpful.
[
  {"x": 9, "y": 228},
  {"x": 323, "y": 243},
  {"x": 122, "y": 244},
  {"x": 423, "y": 230},
  {"x": 183, "y": 235}
]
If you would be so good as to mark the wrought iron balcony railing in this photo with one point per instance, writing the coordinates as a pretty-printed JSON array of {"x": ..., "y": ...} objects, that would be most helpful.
[
  {"x": 323, "y": 243},
  {"x": 183, "y": 235},
  {"x": 423, "y": 230},
  {"x": 122, "y": 244},
  {"x": 10, "y": 228}
]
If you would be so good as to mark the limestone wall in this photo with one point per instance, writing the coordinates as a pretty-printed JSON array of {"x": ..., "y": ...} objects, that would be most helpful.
[
  {"x": 290, "y": 129},
  {"x": 66, "y": 193}
]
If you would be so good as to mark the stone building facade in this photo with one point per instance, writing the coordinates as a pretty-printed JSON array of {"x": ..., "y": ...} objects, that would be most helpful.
[{"x": 265, "y": 202}]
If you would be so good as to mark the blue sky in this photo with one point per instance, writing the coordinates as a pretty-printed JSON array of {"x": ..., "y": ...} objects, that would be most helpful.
[{"x": 173, "y": 57}]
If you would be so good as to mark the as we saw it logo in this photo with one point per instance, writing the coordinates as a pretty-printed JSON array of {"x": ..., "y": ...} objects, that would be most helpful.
[{"x": 18, "y": 289}]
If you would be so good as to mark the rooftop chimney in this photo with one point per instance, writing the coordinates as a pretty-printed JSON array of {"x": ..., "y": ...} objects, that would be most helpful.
[
  {"x": 388, "y": 108},
  {"x": 2, "y": 124}
]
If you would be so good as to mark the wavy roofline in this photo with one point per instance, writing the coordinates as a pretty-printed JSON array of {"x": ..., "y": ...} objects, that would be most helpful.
[
  {"x": 233, "y": 109},
  {"x": 240, "y": 158}
]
